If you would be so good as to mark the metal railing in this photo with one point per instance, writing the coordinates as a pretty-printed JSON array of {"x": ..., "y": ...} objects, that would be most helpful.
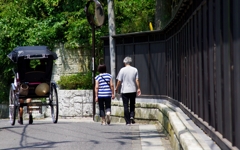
[{"x": 195, "y": 60}]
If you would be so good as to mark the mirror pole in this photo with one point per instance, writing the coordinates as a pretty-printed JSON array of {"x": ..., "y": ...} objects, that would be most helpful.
[
  {"x": 98, "y": 23},
  {"x": 93, "y": 69}
]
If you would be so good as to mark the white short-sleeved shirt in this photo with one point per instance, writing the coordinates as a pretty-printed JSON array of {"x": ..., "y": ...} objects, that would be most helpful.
[{"x": 128, "y": 75}]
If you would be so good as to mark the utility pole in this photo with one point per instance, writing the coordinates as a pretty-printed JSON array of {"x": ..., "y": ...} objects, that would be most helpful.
[{"x": 111, "y": 25}]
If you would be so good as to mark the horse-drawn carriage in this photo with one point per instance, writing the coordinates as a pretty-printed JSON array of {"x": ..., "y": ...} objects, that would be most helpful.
[{"x": 32, "y": 82}]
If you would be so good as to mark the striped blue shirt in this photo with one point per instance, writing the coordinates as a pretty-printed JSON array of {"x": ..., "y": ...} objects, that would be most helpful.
[{"x": 104, "y": 89}]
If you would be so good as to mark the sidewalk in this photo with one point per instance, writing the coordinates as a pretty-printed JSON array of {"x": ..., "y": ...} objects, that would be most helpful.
[
  {"x": 152, "y": 136},
  {"x": 152, "y": 139},
  {"x": 144, "y": 136}
]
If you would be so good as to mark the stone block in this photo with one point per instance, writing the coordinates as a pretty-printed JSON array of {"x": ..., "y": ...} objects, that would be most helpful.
[
  {"x": 78, "y": 99},
  {"x": 87, "y": 109},
  {"x": 97, "y": 118},
  {"x": 117, "y": 111},
  {"x": 146, "y": 105},
  {"x": 160, "y": 117},
  {"x": 78, "y": 107},
  {"x": 97, "y": 109},
  {"x": 115, "y": 103},
  {"x": 87, "y": 99},
  {"x": 188, "y": 142},
  {"x": 64, "y": 94},
  {"x": 146, "y": 113},
  {"x": 176, "y": 123}
]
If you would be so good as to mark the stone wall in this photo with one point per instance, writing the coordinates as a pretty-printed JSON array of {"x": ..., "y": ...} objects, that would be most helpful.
[
  {"x": 69, "y": 62},
  {"x": 75, "y": 103},
  {"x": 71, "y": 103}
]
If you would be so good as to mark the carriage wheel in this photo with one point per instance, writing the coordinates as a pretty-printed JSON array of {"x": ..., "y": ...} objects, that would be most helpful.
[
  {"x": 54, "y": 103},
  {"x": 12, "y": 106}
]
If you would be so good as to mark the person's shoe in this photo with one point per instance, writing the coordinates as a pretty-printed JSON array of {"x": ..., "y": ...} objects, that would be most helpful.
[
  {"x": 103, "y": 123},
  {"x": 108, "y": 118},
  {"x": 20, "y": 121},
  {"x": 128, "y": 124},
  {"x": 132, "y": 120}
]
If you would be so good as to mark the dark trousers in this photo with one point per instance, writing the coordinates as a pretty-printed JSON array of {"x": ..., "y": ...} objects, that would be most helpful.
[
  {"x": 126, "y": 98},
  {"x": 104, "y": 103}
]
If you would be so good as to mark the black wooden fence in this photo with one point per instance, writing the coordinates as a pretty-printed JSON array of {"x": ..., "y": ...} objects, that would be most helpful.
[{"x": 195, "y": 60}]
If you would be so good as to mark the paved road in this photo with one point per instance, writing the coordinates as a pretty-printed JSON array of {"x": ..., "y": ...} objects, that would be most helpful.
[{"x": 79, "y": 134}]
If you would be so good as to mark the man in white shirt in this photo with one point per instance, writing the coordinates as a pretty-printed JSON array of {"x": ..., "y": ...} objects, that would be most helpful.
[{"x": 129, "y": 80}]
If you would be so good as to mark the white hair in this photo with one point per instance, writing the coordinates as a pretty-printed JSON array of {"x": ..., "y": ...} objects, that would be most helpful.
[{"x": 127, "y": 60}]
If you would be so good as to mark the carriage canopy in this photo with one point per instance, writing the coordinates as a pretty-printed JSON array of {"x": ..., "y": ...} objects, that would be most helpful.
[
  {"x": 23, "y": 55},
  {"x": 31, "y": 52}
]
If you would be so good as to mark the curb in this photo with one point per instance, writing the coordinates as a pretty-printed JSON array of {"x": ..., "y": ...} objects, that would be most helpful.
[
  {"x": 182, "y": 132},
  {"x": 186, "y": 135}
]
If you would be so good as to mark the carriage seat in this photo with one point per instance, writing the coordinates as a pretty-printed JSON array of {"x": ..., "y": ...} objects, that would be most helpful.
[
  {"x": 33, "y": 79},
  {"x": 35, "y": 76}
]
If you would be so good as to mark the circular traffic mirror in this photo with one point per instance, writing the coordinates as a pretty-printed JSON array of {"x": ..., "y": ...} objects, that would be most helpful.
[{"x": 95, "y": 13}]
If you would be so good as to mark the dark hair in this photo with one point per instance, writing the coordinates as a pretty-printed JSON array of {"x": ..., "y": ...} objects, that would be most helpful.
[{"x": 102, "y": 68}]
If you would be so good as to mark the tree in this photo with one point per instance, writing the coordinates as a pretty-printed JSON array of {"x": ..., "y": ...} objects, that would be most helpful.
[
  {"x": 40, "y": 22},
  {"x": 162, "y": 13},
  {"x": 133, "y": 15},
  {"x": 50, "y": 22}
]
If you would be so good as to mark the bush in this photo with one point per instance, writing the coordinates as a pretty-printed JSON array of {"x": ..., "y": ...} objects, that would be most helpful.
[{"x": 80, "y": 81}]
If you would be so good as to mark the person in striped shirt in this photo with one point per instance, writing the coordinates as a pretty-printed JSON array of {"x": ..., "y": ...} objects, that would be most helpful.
[{"x": 104, "y": 92}]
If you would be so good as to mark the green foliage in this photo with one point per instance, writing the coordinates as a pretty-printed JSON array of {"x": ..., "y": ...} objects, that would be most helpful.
[
  {"x": 40, "y": 22},
  {"x": 134, "y": 15},
  {"x": 76, "y": 81},
  {"x": 50, "y": 22}
]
